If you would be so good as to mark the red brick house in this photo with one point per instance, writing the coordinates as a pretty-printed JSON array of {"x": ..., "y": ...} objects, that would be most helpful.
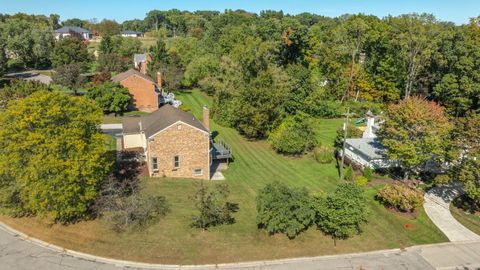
[
  {"x": 175, "y": 143},
  {"x": 143, "y": 89}
]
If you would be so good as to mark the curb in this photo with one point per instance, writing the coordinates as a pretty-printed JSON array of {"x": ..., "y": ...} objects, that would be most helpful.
[{"x": 133, "y": 264}]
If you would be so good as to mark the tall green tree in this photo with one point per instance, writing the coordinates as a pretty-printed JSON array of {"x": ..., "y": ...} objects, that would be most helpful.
[
  {"x": 415, "y": 131},
  {"x": 70, "y": 50},
  {"x": 69, "y": 76},
  {"x": 60, "y": 133},
  {"x": 465, "y": 155}
]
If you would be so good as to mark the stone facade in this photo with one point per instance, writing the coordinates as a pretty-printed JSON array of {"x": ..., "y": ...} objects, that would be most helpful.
[
  {"x": 144, "y": 96},
  {"x": 190, "y": 144}
]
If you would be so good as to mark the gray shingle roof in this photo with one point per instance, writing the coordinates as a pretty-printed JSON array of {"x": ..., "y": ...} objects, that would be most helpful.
[
  {"x": 157, "y": 121},
  {"x": 371, "y": 148},
  {"x": 68, "y": 29}
]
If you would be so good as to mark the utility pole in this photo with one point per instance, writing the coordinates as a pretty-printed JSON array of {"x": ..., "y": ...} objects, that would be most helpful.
[{"x": 345, "y": 126}]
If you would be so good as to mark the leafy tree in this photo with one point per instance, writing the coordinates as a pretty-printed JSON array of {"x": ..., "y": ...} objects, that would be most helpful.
[
  {"x": 295, "y": 135},
  {"x": 30, "y": 39},
  {"x": 414, "y": 36},
  {"x": 129, "y": 46},
  {"x": 75, "y": 22},
  {"x": 3, "y": 56},
  {"x": 107, "y": 45},
  {"x": 60, "y": 133},
  {"x": 284, "y": 210},
  {"x": 200, "y": 68},
  {"x": 70, "y": 50},
  {"x": 18, "y": 89},
  {"x": 414, "y": 132},
  {"x": 213, "y": 207},
  {"x": 112, "y": 62},
  {"x": 69, "y": 76},
  {"x": 342, "y": 213},
  {"x": 110, "y": 97},
  {"x": 108, "y": 28},
  {"x": 465, "y": 155}
]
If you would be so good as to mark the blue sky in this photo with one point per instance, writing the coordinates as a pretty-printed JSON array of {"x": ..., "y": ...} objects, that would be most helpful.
[{"x": 457, "y": 11}]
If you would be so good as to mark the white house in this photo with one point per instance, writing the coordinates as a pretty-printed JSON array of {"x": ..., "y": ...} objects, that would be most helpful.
[
  {"x": 73, "y": 31},
  {"x": 130, "y": 33},
  {"x": 368, "y": 151}
]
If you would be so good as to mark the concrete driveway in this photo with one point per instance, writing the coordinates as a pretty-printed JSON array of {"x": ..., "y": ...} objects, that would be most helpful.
[
  {"x": 437, "y": 202},
  {"x": 18, "y": 251}
]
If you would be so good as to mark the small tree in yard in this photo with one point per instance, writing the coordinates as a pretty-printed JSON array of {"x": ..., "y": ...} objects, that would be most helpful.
[
  {"x": 401, "y": 197},
  {"x": 415, "y": 131},
  {"x": 284, "y": 210},
  {"x": 342, "y": 213},
  {"x": 52, "y": 155},
  {"x": 69, "y": 76},
  {"x": 110, "y": 96},
  {"x": 213, "y": 207},
  {"x": 295, "y": 135}
]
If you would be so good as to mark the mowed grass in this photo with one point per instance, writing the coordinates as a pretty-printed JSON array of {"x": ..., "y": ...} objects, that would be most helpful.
[
  {"x": 469, "y": 220},
  {"x": 174, "y": 241}
]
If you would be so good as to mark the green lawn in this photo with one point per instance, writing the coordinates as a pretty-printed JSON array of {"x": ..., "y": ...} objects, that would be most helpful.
[
  {"x": 112, "y": 119},
  {"x": 174, "y": 241},
  {"x": 469, "y": 220}
]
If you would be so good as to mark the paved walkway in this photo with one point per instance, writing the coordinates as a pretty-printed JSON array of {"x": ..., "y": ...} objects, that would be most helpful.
[
  {"x": 437, "y": 201},
  {"x": 17, "y": 251},
  {"x": 31, "y": 76}
]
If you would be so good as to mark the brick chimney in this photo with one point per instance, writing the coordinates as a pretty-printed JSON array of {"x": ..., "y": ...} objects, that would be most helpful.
[
  {"x": 159, "y": 80},
  {"x": 206, "y": 117}
]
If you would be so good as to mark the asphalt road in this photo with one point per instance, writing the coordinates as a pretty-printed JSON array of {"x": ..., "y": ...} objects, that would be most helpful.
[{"x": 20, "y": 252}]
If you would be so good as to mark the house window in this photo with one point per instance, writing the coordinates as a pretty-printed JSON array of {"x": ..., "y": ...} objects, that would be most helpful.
[
  {"x": 155, "y": 164},
  {"x": 198, "y": 172},
  {"x": 179, "y": 126},
  {"x": 176, "y": 162}
]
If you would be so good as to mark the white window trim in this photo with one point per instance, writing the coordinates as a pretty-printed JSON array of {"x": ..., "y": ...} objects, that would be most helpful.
[
  {"x": 156, "y": 163},
  {"x": 195, "y": 172},
  {"x": 175, "y": 167}
]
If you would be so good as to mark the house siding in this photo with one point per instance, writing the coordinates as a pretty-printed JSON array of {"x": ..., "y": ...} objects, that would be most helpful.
[
  {"x": 190, "y": 144},
  {"x": 144, "y": 97}
]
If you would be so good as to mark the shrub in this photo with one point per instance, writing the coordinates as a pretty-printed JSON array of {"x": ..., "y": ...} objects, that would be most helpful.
[
  {"x": 342, "y": 213},
  {"x": 136, "y": 211},
  {"x": 323, "y": 154},
  {"x": 213, "y": 207},
  {"x": 295, "y": 135},
  {"x": 184, "y": 107},
  {"x": 15, "y": 64},
  {"x": 361, "y": 181},
  {"x": 401, "y": 197},
  {"x": 284, "y": 210},
  {"x": 349, "y": 174},
  {"x": 368, "y": 173},
  {"x": 320, "y": 107}
]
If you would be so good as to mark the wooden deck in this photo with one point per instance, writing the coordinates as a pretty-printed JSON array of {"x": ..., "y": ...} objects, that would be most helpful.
[{"x": 221, "y": 151}]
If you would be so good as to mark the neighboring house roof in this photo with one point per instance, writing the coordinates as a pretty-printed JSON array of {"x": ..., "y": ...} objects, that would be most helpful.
[
  {"x": 130, "y": 32},
  {"x": 140, "y": 57},
  {"x": 131, "y": 72},
  {"x": 370, "y": 147},
  {"x": 68, "y": 29},
  {"x": 157, "y": 121}
]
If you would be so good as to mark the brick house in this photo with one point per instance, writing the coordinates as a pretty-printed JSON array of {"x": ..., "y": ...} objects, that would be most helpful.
[
  {"x": 175, "y": 143},
  {"x": 146, "y": 94}
]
